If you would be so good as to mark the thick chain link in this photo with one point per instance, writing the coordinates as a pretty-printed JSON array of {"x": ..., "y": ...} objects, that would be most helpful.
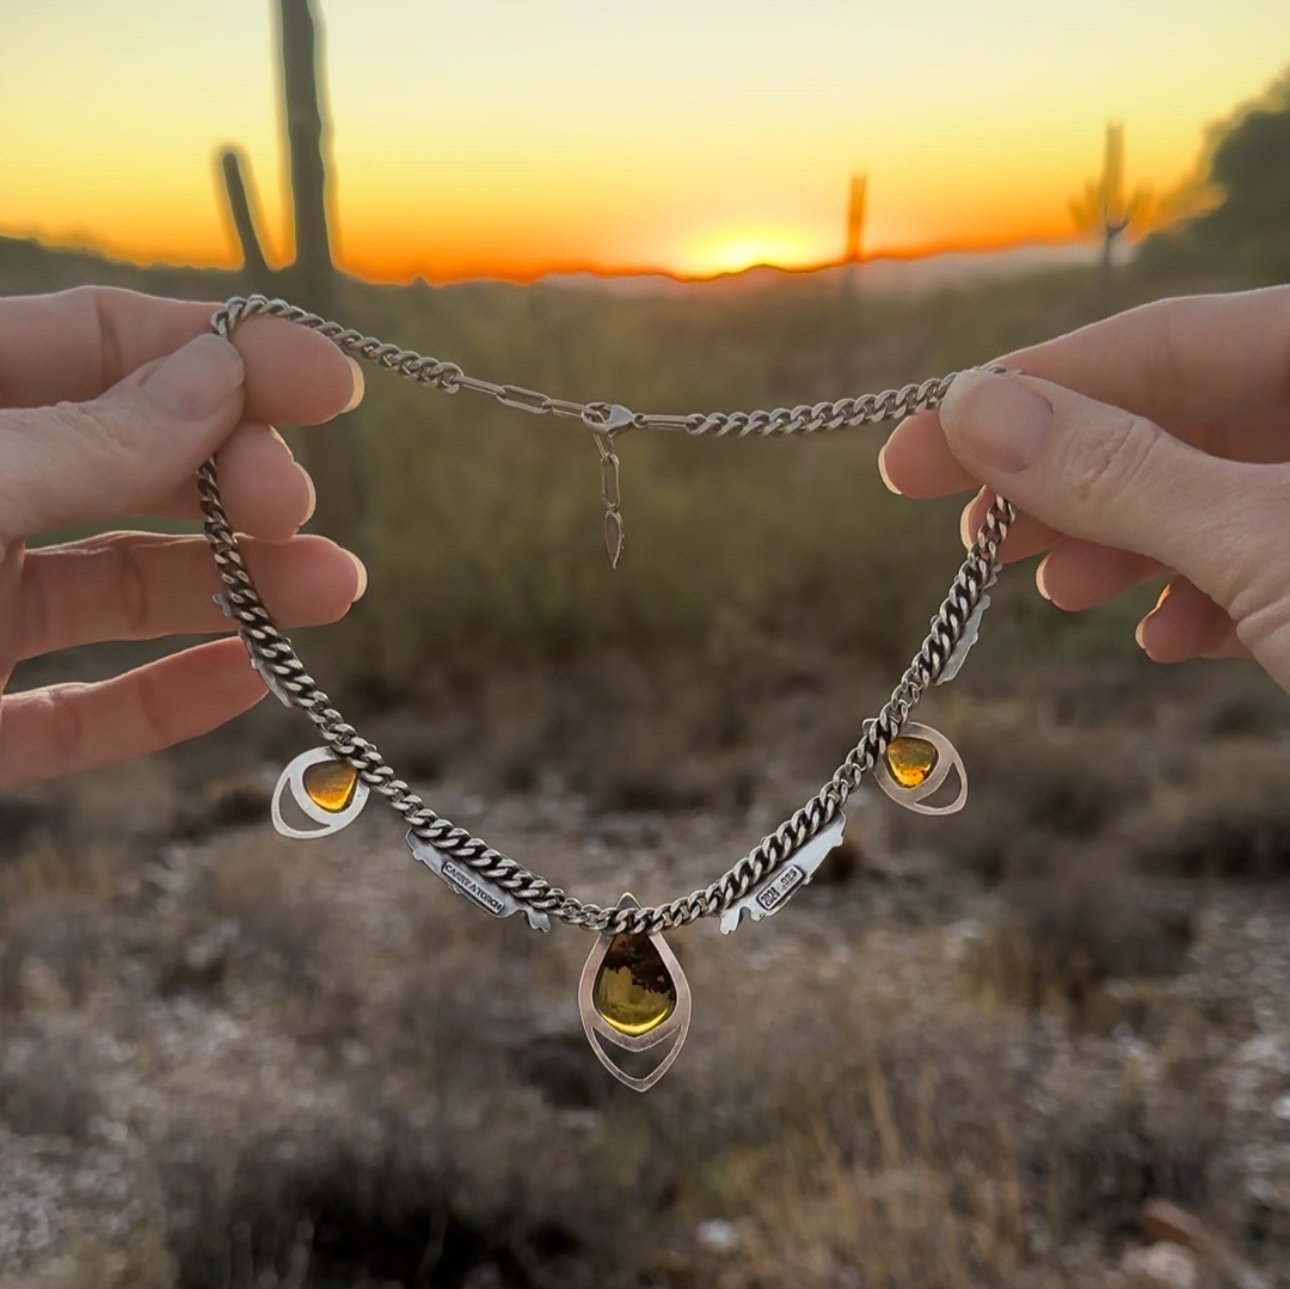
[{"x": 274, "y": 657}]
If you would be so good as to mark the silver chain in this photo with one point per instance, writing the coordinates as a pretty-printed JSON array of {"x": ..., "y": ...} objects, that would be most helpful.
[{"x": 276, "y": 659}]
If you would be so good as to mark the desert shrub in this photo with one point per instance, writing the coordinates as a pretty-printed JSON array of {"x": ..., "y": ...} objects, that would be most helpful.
[
  {"x": 1106, "y": 1156},
  {"x": 1062, "y": 938},
  {"x": 1231, "y": 820},
  {"x": 230, "y": 801},
  {"x": 47, "y": 1086},
  {"x": 68, "y": 937}
]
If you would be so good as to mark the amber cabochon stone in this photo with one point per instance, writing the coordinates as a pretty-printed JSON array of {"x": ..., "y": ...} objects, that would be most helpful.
[
  {"x": 633, "y": 991},
  {"x": 330, "y": 784},
  {"x": 911, "y": 759}
]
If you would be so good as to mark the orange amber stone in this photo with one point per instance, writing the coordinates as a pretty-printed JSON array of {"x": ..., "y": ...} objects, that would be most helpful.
[
  {"x": 330, "y": 784},
  {"x": 911, "y": 760},
  {"x": 634, "y": 991}
]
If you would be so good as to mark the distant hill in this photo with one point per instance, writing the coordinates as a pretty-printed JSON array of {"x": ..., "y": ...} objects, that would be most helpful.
[
  {"x": 28, "y": 265},
  {"x": 884, "y": 273}
]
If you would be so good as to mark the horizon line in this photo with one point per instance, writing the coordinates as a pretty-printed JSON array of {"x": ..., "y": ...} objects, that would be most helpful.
[{"x": 558, "y": 268}]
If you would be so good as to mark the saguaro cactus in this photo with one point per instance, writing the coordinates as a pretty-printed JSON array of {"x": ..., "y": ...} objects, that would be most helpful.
[
  {"x": 241, "y": 209},
  {"x": 308, "y": 140},
  {"x": 1102, "y": 209},
  {"x": 855, "y": 217}
]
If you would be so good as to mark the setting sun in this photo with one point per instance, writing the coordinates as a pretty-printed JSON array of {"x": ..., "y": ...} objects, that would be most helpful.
[
  {"x": 477, "y": 158},
  {"x": 733, "y": 250}
]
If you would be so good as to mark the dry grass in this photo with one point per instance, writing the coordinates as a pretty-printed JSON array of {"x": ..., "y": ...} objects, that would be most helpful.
[{"x": 966, "y": 1059}]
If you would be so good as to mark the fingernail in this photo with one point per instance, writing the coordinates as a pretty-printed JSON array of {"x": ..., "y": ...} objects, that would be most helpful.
[
  {"x": 882, "y": 471},
  {"x": 356, "y": 394},
  {"x": 361, "y": 569},
  {"x": 997, "y": 420},
  {"x": 283, "y": 441},
  {"x": 197, "y": 380},
  {"x": 966, "y": 535},
  {"x": 1139, "y": 632},
  {"x": 1041, "y": 580},
  {"x": 313, "y": 494}
]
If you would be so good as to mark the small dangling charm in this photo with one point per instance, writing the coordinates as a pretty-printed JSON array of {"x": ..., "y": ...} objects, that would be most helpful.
[
  {"x": 916, "y": 763},
  {"x": 616, "y": 417},
  {"x": 328, "y": 790},
  {"x": 633, "y": 995}
]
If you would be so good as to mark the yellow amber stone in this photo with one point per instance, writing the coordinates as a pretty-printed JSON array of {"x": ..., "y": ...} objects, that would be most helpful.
[
  {"x": 633, "y": 990},
  {"x": 911, "y": 760},
  {"x": 330, "y": 784}
]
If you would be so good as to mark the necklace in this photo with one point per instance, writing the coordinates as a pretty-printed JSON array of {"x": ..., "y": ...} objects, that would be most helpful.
[{"x": 633, "y": 996}]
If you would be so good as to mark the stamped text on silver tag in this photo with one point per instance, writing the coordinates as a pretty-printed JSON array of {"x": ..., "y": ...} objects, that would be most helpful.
[
  {"x": 478, "y": 890},
  {"x": 770, "y": 895}
]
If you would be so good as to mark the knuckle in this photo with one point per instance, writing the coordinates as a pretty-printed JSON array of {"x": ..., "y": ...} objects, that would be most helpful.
[
  {"x": 97, "y": 306},
  {"x": 130, "y": 581},
  {"x": 1109, "y": 464},
  {"x": 1250, "y": 580},
  {"x": 35, "y": 623},
  {"x": 155, "y": 713},
  {"x": 64, "y": 725}
]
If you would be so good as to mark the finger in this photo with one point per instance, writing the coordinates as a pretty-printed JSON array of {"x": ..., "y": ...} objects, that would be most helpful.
[
  {"x": 79, "y": 462},
  {"x": 1026, "y": 535},
  {"x": 1195, "y": 364},
  {"x": 1078, "y": 575},
  {"x": 63, "y": 729},
  {"x": 138, "y": 586},
  {"x": 1099, "y": 473},
  {"x": 1185, "y": 624},
  {"x": 265, "y": 492},
  {"x": 1199, "y": 365},
  {"x": 917, "y": 462},
  {"x": 75, "y": 345}
]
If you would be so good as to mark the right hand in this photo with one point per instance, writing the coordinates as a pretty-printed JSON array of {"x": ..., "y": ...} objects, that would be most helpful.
[{"x": 1153, "y": 444}]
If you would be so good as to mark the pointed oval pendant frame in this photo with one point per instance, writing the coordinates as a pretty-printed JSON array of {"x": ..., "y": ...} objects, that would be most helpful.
[
  {"x": 596, "y": 1028},
  {"x": 332, "y": 821},
  {"x": 947, "y": 759}
]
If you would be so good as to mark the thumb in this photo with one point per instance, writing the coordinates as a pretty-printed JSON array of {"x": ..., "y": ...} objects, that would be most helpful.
[
  {"x": 76, "y": 462},
  {"x": 1100, "y": 473}
]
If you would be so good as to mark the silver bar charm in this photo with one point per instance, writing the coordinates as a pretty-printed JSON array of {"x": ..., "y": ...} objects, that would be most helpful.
[
  {"x": 464, "y": 881},
  {"x": 770, "y": 895},
  {"x": 971, "y": 629}
]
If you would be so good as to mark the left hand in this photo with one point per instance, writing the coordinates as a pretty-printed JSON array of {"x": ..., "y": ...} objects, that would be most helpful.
[{"x": 109, "y": 401}]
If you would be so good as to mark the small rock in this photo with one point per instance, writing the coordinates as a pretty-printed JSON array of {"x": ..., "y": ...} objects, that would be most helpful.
[
  {"x": 1161, "y": 1266},
  {"x": 718, "y": 1235}
]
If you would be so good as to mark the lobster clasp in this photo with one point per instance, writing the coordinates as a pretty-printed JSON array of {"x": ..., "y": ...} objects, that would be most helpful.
[{"x": 607, "y": 419}]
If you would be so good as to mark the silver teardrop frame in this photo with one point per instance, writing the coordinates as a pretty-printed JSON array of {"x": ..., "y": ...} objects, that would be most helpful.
[
  {"x": 947, "y": 759},
  {"x": 675, "y": 1027},
  {"x": 293, "y": 778}
]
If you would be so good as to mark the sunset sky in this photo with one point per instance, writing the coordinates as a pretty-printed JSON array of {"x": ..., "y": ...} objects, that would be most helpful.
[{"x": 509, "y": 136}]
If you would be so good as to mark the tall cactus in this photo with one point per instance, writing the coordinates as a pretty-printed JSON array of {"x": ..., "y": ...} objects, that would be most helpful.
[
  {"x": 241, "y": 210},
  {"x": 332, "y": 459},
  {"x": 855, "y": 217},
  {"x": 1102, "y": 209},
  {"x": 308, "y": 141}
]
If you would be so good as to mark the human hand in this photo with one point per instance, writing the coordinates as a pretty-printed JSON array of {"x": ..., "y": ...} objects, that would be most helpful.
[
  {"x": 109, "y": 401},
  {"x": 1153, "y": 444}
]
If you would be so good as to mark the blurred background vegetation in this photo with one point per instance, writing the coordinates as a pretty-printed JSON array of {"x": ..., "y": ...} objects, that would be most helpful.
[{"x": 1046, "y": 1045}]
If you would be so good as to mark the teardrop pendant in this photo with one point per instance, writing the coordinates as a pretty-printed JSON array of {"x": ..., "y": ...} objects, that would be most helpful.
[
  {"x": 634, "y": 996},
  {"x": 915, "y": 764},
  {"x": 328, "y": 791}
]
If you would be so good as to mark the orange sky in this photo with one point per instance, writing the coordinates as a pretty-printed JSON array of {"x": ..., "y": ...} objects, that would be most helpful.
[{"x": 507, "y": 138}]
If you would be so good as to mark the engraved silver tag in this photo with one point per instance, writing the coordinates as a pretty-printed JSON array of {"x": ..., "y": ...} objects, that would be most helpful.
[
  {"x": 463, "y": 879},
  {"x": 772, "y": 893},
  {"x": 971, "y": 629}
]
